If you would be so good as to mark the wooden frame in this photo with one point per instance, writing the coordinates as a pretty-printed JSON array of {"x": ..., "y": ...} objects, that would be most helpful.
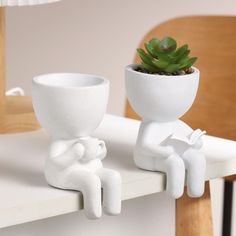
[
  {"x": 16, "y": 113},
  {"x": 193, "y": 215}
]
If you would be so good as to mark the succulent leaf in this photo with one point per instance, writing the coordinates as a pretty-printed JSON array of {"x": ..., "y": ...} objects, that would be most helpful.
[
  {"x": 181, "y": 50},
  {"x": 149, "y": 67},
  {"x": 149, "y": 49},
  {"x": 181, "y": 53},
  {"x": 155, "y": 44},
  {"x": 172, "y": 68},
  {"x": 188, "y": 63},
  {"x": 167, "y": 44},
  {"x": 183, "y": 57},
  {"x": 192, "y": 60},
  {"x": 160, "y": 64},
  {"x": 144, "y": 56},
  {"x": 163, "y": 57}
]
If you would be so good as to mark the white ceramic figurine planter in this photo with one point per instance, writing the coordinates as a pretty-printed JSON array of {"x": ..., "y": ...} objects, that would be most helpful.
[
  {"x": 165, "y": 143},
  {"x": 70, "y": 107}
]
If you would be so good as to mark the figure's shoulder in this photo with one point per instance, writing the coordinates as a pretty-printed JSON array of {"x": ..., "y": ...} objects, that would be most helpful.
[
  {"x": 150, "y": 123},
  {"x": 166, "y": 127},
  {"x": 59, "y": 146},
  {"x": 150, "y": 126},
  {"x": 155, "y": 131},
  {"x": 158, "y": 128}
]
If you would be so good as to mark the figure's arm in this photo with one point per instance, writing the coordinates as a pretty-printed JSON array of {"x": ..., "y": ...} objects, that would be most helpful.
[
  {"x": 157, "y": 150},
  {"x": 151, "y": 146},
  {"x": 102, "y": 150},
  {"x": 64, "y": 153}
]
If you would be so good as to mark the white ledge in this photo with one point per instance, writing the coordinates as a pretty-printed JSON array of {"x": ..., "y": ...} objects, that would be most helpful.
[{"x": 25, "y": 195}]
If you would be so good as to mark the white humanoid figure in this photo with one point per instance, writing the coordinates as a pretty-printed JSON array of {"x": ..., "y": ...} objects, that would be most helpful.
[
  {"x": 77, "y": 165},
  {"x": 164, "y": 142},
  {"x": 157, "y": 149},
  {"x": 70, "y": 107}
]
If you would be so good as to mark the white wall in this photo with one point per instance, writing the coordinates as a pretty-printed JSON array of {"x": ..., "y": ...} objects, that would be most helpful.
[{"x": 97, "y": 37}]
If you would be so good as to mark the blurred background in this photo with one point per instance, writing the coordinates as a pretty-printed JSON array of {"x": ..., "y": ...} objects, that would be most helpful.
[{"x": 99, "y": 37}]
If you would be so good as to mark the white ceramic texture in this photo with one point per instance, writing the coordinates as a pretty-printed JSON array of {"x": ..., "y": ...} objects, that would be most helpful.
[
  {"x": 35, "y": 201},
  {"x": 160, "y": 97},
  {"x": 25, "y": 2},
  {"x": 164, "y": 142},
  {"x": 70, "y": 107}
]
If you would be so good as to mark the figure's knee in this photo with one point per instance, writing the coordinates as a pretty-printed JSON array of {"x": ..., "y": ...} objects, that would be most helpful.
[
  {"x": 194, "y": 158},
  {"x": 175, "y": 171},
  {"x": 174, "y": 162},
  {"x": 89, "y": 183},
  {"x": 196, "y": 167},
  {"x": 114, "y": 177},
  {"x": 110, "y": 177}
]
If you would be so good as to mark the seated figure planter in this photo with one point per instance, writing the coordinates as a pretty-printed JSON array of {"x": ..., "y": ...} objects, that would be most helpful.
[
  {"x": 70, "y": 107},
  {"x": 161, "y": 90}
]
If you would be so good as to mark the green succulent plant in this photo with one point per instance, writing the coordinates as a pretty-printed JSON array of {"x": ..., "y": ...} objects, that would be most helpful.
[{"x": 163, "y": 57}]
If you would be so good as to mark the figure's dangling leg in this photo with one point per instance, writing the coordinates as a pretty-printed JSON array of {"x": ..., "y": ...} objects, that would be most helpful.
[
  {"x": 90, "y": 186},
  {"x": 174, "y": 168},
  {"x": 111, "y": 184},
  {"x": 195, "y": 164}
]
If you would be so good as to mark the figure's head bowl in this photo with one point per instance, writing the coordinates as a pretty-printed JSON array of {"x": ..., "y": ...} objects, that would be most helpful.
[
  {"x": 70, "y": 105},
  {"x": 160, "y": 97},
  {"x": 70, "y": 80}
]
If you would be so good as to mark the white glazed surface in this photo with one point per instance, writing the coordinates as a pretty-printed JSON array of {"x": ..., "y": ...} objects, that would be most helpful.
[
  {"x": 171, "y": 96},
  {"x": 160, "y": 101},
  {"x": 70, "y": 107}
]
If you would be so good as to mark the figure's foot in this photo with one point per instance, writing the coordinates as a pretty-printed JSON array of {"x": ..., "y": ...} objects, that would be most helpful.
[
  {"x": 174, "y": 168},
  {"x": 195, "y": 164},
  {"x": 111, "y": 184}
]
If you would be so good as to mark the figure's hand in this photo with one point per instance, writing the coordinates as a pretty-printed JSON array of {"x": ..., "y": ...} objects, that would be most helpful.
[
  {"x": 65, "y": 153},
  {"x": 102, "y": 150},
  {"x": 79, "y": 150},
  {"x": 167, "y": 151}
]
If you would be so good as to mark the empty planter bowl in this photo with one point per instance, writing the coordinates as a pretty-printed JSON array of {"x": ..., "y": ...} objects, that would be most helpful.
[
  {"x": 70, "y": 107},
  {"x": 164, "y": 142}
]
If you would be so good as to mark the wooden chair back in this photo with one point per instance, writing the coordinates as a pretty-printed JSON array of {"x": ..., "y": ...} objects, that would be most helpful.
[{"x": 213, "y": 40}]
